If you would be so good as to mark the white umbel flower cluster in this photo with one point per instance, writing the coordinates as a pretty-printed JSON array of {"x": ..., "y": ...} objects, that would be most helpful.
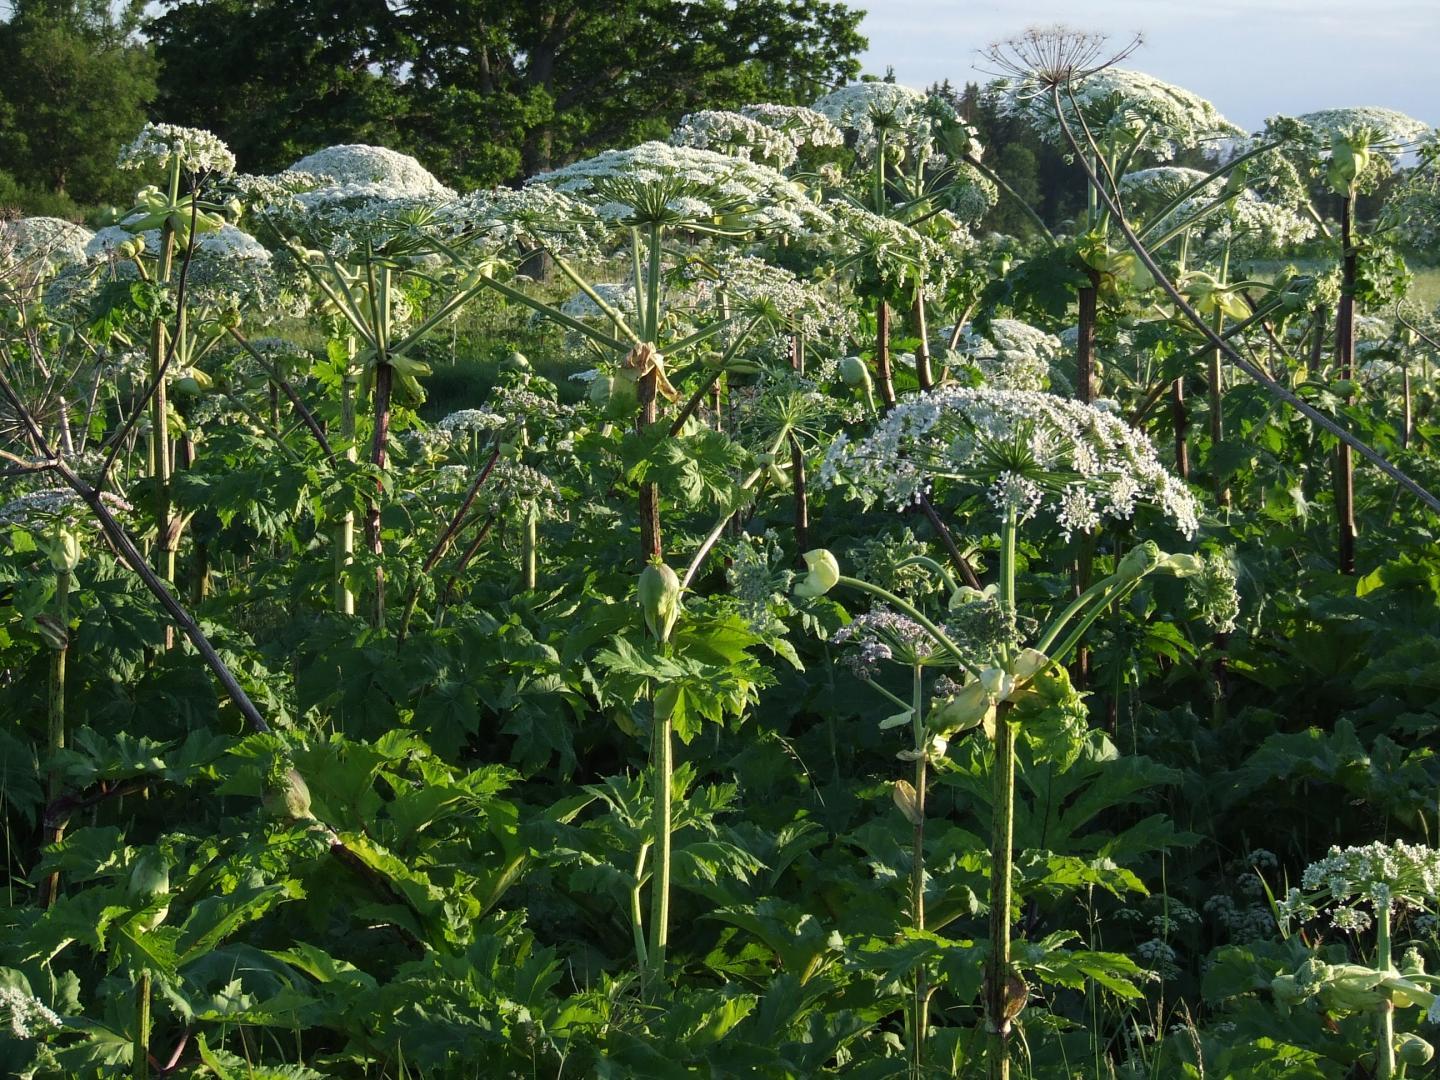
[
  {"x": 1011, "y": 355},
  {"x": 803, "y": 127},
  {"x": 44, "y": 244},
  {"x": 53, "y": 505},
  {"x": 1122, "y": 107},
  {"x": 1353, "y": 882},
  {"x": 1252, "y": 225},
  {"x": 357, "y": 173},
  {"x": 876, "y": 112},
  {"x": 198, "y": 151},
  {"x": 506, "y": 221},
  {"x": 26, "y": 1012},
  {"x": 1029, "y": 451},
  {"x": 688, "y": 187},
  {"x": 753, "y": 287},
  {"x": 1396, "y": 132},
  {"x": 735, "y": 134},
  {"x": 226, "y": 242}
]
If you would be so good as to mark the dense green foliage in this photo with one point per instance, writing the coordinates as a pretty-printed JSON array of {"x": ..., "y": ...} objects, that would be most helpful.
[
  {"x": 845, "y": 642},
  {"x": 73, "y": 85}
]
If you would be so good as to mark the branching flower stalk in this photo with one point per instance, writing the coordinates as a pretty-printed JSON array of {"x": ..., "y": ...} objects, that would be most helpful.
[
  {"x": 64, "y": 557},
  {"x": 1253, "y": 371}
]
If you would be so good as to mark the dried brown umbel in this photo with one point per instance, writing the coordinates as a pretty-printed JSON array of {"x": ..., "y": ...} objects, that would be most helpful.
[{"x": 1044, "y": 57}]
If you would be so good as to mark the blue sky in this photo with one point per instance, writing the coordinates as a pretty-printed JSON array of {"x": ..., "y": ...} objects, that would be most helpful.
[{"x": 1252, "y": 59}]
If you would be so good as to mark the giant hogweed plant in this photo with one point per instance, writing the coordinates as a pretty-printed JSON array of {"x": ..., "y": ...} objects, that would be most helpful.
[
  {"x": 1027, "y": 453},
  {"x": 395, "y": 909}
]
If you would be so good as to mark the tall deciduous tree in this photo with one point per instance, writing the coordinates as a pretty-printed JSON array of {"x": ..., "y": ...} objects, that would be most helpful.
[
  {"x": 485, "y": 90},
  {"x": 74, "y": 84}
]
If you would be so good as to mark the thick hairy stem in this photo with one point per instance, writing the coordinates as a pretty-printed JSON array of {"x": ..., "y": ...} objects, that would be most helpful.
[
  {"x": 379, "y": 446},
  {"x": 650, "y": 539},
  {"x": 1085, "y": 341},
  {"x": 54, "y": 832},
  {"x": 917, "y": 876},
  {"x": 883, "y": 375},
  {"x": 802, "y": 497},
  {"x": 998, "y": 1005},
  {"x": 947, "y": 541},
  {"x": 662, "y": 769},
  {"x": 345, "y": 528},
  {"x": 1217, "y": 387},
  {"x": 1385, "y": 1023},
  {"x": 140, "y": 1049},
  {"x": 1345, "y": 358},
  {"x": 1408, "y": 419},
  {"x": 922, "y": 351},
  {"x": 1180, "y": 415}
]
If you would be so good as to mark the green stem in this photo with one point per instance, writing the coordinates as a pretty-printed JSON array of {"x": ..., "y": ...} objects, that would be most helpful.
[
  {"x": 1074, "y": 607},
  {"x": 917, "y": 872},
  {"x": 998, "y": 1005},
  {"x": 652, "y": 286},
  {"x": 934, "y": 631},
  {"x": 662, "y": 768},
  {"x": 56, "y": 707},
  {"x": 637, "y": 919},
  {"x": 1385, "y": 1026},
  {"x": 140, "y": 1050},
  {"x": 345, "y": 529}
]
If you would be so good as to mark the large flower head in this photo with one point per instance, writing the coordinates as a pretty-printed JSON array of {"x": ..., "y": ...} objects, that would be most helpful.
[
  {"x": 1356, "y": 147},
  {"x": 1029, "y": 452},
  {"x": 1123, "y": 108},
  {"x": 1395, "y": 132},
  {"x": 1354, "y": 882},
  {"x": 880, "y": 114},
  {"x": 355, "y": 173},
  {"x": 1010, "y": 354},
  {"x": 158, "y": 146},
  {"x": 735, "y": 134},
  {"x": 1233, "y": 214},
  {"x": 658, "y": 184},
  {"x": 229, "y": 269},
  {"x": 40, "y": 246},
  {"x": 506, "y": 221}
]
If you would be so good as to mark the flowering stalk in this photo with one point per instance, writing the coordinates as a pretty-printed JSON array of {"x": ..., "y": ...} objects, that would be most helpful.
[
  {"x": 883, "y": 372},
  {"x": 1345, "y": 357},
  {"x": 345, "y": 529},
  {"x": 920, "y": 1003},
  {"x": 1385, "y": 1023},
  {"x": 60, "y": 650},
  {"x": 140, "y": 1048},
  {"x": 998, "y": 1003},
  {"x": 159, "y": 404},
  {"x": 1217, "y": 388},
  {"x": 378, "y": 295},
  {"x": 659, "y": 593}
]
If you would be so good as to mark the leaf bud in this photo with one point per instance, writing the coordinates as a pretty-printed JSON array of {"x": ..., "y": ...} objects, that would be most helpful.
[
  {"x": 823, "y": 575},
  {"x": 659, "y": 592}
]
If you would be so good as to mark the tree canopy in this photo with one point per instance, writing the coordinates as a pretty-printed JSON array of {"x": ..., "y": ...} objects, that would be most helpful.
[
  {"x": 74, "y": 85},
  {"x": 487, "y": 90}
]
